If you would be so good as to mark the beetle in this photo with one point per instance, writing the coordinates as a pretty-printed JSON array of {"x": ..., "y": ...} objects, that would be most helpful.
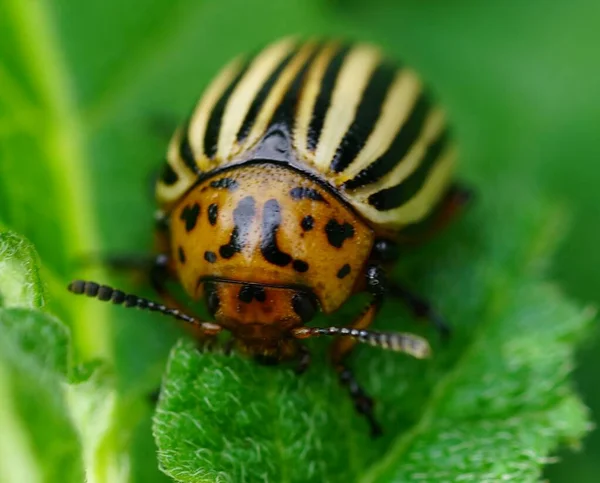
[{"x": 288, "y": 189}]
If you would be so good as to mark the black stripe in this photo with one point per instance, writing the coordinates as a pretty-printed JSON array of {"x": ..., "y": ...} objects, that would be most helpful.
[
  {"x": 260, "y": 98},
  {"x": 168, "y": 176},
  {"x": 367, "y": 113},
  {"x": 324, "y": 98},
  {"x": 185, "y": 150},
  {"x": 402, "y": 143},
  {"x": 211, "y": 136},
  {"x": 396, "y": 196},
  {"x": 286, "y": 111}
]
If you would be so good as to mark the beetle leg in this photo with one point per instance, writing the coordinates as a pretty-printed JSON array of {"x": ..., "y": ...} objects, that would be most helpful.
[
  {"x": 362, "y": 401},
  {"x": 342, "y": 347},
  {"x": 376, "y": 286},
  {"x": 420, "y": 307},
  {"x": 303, "y": 360}
]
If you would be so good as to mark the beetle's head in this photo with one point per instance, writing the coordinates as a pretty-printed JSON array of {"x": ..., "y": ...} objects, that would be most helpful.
[{"x": 259, "y": 315}]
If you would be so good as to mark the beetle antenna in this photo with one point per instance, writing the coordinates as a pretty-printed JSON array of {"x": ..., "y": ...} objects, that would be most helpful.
[
  {"x": 118, "y": 297},
  {"x": 395, "y": 341}
]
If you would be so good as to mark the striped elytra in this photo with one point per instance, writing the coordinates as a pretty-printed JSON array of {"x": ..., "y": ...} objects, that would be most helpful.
[{"x": 363, "y": 124}]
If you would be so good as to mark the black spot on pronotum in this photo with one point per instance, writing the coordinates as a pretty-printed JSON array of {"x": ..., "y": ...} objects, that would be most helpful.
[
  {"x": 243, "y": 216},
  {"x": 181, "y": 254},
  {"x": 342, "y": 272},
  {"x": 228, "y": 251},
  {"x": 168, "y": 176},
  {"x": 270, "y": 226},
  {"x": 300, "y": 266},
  {"x": 189, "y": 215},
  {"x": 225, "y": 183},
  {"x": 210, "y": 257},
  {"x": 338, "y": 233},
  {"x": 213, "y": 213},
  {"x": 307, "y": 223},
  {"x": 303, "y": 193},
  {"x": 304, "y": 306},
  {"x": 251, "y": 292}
]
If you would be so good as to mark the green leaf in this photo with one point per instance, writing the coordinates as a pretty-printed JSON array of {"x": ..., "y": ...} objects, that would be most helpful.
[
  {"x": 492, "y": 405},
  {"x": 20, "y": 284},
  {"x": 57, "y": 420},
  {"x": 38, "y": 442},
  {"x": 94, "y": 406}
]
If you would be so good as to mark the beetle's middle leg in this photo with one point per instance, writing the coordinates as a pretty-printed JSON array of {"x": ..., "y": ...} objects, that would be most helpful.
[
  {"x": 386, "y": 251},
  {"x": 341, "y": 348},
  {"x": 420, "y": 307}
]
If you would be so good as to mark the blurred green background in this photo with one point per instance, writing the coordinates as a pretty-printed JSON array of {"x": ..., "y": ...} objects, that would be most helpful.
[{"x": 521, "y": 81}]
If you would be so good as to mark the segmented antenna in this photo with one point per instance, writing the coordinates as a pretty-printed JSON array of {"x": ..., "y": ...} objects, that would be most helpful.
[
  {"x": 118, "y": 297},
  {"x": 395, "y": 341}
]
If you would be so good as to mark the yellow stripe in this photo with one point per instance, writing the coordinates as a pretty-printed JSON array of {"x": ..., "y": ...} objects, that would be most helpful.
[
  {"x": 308, "y": 98},
  {"x": 245, "y": 92},
  {"x": 397, "y": 106},
  {"x": 423, "y": 202},
  {"x": 166, "y": 194},
  {"x": 199, "y": 120},
  {"x": 347, "y": 94},
  {"x": 277, "y": 92},
  {"x": 434, "y": 124}
]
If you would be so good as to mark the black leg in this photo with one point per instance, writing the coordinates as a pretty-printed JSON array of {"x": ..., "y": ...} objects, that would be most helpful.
[
  {"x": 420, "y": 307},
  {"x": 266, "y": 359},
  {"x": 385, "y": 251},
  {"x": 228, "y": 346},
  {"x": 158, "y": 273},
  {"x": 348, "y": 336},
  {"x": 376, "y": 286},
  {"x": 362, "y": 402},
  {"x": 303, "y": 360},
  {"x": 154, "y": 396},
  {"x": 129, "y": 262}
]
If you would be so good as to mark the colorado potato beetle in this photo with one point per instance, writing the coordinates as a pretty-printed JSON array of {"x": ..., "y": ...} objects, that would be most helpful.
[{"x": 288, "y": 190}]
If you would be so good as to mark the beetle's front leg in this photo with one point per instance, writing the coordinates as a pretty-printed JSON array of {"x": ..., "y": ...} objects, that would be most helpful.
[
  {"x": 420, "y": 307},
  {"x": 386, "y": 251},
  {"x": 341, "y": 348},
  {"x": 303, "y": 359}
]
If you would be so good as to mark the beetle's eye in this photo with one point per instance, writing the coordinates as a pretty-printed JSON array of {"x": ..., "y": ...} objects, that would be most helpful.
[
  {"x": 304, "y": 305},
  {"x": 212, "y": 297}
]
